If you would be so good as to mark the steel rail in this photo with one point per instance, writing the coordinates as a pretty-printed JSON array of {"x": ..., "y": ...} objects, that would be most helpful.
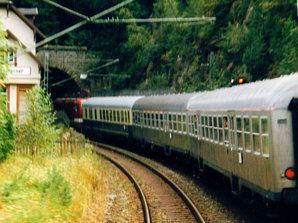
[
  {"x": 146, "y": 210},
  {"x": 174, "y": 186}
]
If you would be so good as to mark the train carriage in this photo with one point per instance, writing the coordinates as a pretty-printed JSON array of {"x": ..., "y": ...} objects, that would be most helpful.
[
  {"x": 108, "y": 115},
  {"x": 248, "y": 133},
  {"x": 245, "y": 132},
  {"x": 162, "y": 121}
]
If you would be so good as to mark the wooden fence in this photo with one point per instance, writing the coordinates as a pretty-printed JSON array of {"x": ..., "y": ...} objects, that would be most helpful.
[{"x": 66, "y": 144}]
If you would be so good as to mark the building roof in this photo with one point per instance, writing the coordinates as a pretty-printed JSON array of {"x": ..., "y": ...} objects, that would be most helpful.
[
  {"x": 9, "y": 5},
  {"x": 10, "y": 34}
]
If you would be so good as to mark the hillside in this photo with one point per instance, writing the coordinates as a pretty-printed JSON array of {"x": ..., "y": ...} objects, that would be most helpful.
[{"x": 256, "y": 39}]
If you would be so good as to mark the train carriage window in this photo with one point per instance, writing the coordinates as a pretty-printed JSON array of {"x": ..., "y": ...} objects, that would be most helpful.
[
  {"x": 103, "y": 114},
  {"x": 184, "y": 123},
  {"x": 265, "y": 145},
  {"x": 247, "y": 135},
  {"x": 226, "y": 129},
  {"x": 128, "y": 116},
  {"x": 90, "y": 113},
  {"x": 265, "y": 136},
  {"x": 174, "y": 122},
  {"x": 122, "y": 116},
  {"x": 264, "y": 125},
  {"x": 196, "y": 125},
  {"x": 232, "y": 130},
  {"x": 145, "y": 119},
  {"x": 203, "y": 126},
  {"x": 161, "y": 121},
  {"x": 138, "y": 118},
  {"x": 114, "y": 115},
  {"x": 220, "y": 130},
  {"x": 170, "y": 122},
  {"x": 95, "y": 113},
  {"x": 179, "y": 122},
  {"x": 100, "y": 114},
  {"x": 191, "y": 124},
  {"x": 206, "y": 127},
  {"x": 118, "y": 116},
  {"x": 256, "y": 135},
  {"x": 210, "y": 129},
  {"x": 152, "y": 120},
  {"x": 157, "y": 121},
  {"x": 239, "y": 132},
  {"x": 215, "y": 127}
]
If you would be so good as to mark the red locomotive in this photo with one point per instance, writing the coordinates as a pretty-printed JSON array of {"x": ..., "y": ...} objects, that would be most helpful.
[{"x": 69, "y": 111}]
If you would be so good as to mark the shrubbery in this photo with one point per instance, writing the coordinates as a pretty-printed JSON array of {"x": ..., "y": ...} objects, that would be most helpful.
[
  {"x": 37, "y": 131},
  {"x": 7, "y": 130},
  {"x": 7, "y": 121}
]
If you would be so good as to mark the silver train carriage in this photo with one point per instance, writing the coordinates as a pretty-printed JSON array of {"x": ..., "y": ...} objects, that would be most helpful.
[
  {"x": 248, "y": 133},
  {"x": 108, "y": 115}
]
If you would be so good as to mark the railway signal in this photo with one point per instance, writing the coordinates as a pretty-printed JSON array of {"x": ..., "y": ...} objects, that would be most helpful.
[{"x": 239, "y": 81}]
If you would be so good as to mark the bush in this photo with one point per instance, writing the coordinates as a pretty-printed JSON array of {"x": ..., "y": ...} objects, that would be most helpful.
[
  {"x": 7, "y": 130},
  {"x": 38, "y": 131}
]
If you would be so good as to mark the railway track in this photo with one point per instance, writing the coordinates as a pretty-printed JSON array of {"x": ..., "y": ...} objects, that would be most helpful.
[{"x": 162, "y": 200}]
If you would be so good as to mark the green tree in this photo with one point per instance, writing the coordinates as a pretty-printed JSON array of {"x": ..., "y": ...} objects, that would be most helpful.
[
  {"x": 38, "y": 131},
  {"x": 7, "y": 121}
]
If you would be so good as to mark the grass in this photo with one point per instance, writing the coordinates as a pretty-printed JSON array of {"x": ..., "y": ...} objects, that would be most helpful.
[{"x": 52, "y": 189}]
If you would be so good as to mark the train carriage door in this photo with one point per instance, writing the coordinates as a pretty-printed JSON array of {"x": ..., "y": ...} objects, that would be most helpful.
[{"x": 293, "y": 107}]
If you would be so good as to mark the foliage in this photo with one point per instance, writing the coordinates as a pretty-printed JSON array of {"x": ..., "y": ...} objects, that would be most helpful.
[
  {"x": 252, "y": 38},
  {"x": 7, "y": 121},
  {"x": 47, "y": 189},
  {"x": 7, "y": 130},
  {"x": 37, "y": 131}
]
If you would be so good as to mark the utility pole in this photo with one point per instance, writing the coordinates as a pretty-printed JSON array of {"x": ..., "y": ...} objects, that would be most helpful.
[{"x": 46, "y": 72}]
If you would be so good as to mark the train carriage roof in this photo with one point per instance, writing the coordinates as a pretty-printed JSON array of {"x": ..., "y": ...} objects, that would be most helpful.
[
  {"x": 121, "y": 102},
  {"x": 268, "y": 94},
  {"x": 174, "y": 102}
]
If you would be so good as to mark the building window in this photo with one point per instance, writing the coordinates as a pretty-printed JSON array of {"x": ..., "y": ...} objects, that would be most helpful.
[{"x": 12, "y": 58}]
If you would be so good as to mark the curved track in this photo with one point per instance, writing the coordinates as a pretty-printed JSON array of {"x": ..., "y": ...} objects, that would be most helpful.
[{"x": 167, "y": 202}]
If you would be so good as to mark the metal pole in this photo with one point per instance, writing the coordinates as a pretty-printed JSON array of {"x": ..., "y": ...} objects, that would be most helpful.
[
  {"x": 67, "y": 9},
  {"x": 102, "y": 66},
  {"x": 63, "y": 32},
  {"x": 156, "y": 20}
]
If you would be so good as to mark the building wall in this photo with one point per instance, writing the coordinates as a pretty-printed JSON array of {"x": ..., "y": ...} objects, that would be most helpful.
[
  {"x": 25, "y": 70},
  {"x": 19, "y": 28}
]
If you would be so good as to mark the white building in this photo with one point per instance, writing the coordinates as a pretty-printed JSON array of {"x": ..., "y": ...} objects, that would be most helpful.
[{"x": 26, "y": 68}]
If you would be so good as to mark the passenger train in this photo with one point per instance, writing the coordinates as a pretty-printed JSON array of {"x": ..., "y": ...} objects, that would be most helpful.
[{"x": 247, "y": 133}]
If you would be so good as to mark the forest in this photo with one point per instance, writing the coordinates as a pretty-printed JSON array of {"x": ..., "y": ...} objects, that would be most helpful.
[{"x": 255, "y": 39}]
